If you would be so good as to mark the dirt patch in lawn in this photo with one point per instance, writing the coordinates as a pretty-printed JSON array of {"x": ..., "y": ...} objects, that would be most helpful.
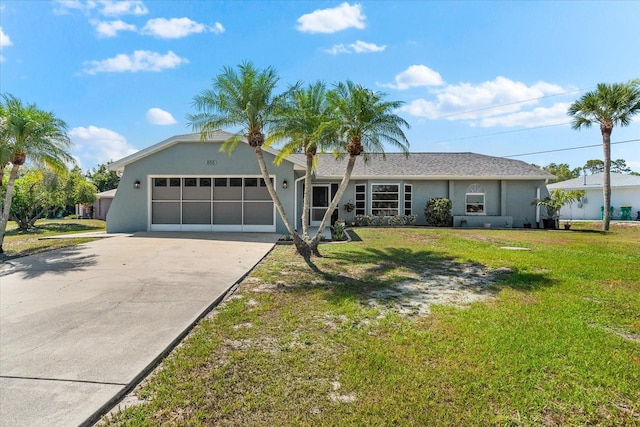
[{"x": 455, "y": 285}]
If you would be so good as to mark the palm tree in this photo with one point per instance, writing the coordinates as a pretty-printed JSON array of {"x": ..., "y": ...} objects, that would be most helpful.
[
  {"x": 28, "y": 134},
  {"x": 608, "y": 106},
  {"x": 304, "y": 123},
  {"x": 244, "y": 98},
  {"x": 364, "y": 122}
]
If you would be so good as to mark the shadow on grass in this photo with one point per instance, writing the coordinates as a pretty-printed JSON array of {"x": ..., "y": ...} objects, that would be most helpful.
[
  {"x": 54, "y": 228},
  {"x": 58, "y": 261},
  {"x": 357, "y": 272}
]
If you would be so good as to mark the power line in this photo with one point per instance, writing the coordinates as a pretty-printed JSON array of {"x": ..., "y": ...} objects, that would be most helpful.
[
  {"x": 572, "y": 148},
  {"x": 513, "y": 103},
  {"x": 500, "y": 133}
]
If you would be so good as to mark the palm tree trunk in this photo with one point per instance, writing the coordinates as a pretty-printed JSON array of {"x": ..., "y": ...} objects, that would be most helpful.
[
  {"x": 301, "y": 246},
  {"x": 606, "y": 176},
  {"x": 6, "y": 207},
  {"x": 334, "y": 203},
  {"x": 306, "y": 200}
]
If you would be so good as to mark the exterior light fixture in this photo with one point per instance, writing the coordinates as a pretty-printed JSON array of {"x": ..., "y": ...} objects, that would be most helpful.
[
  {"x": 285, "y": 184},
  {"x": 136, "y": 184}
]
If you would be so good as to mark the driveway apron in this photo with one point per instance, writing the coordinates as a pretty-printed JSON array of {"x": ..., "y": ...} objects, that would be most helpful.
[{"x": 80, "y": 324}]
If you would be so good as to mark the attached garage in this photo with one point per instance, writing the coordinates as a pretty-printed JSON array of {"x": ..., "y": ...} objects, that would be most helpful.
[
  {"x": 210, "y": 203},
  {"x": 188, "y": 184}
]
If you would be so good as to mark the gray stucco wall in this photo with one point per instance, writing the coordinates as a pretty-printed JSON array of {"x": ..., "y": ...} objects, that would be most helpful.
[{"x": 129, "y": 210}]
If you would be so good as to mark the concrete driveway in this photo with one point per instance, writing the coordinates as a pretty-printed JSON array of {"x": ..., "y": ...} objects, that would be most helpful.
[{"x": 78, "y": 325}]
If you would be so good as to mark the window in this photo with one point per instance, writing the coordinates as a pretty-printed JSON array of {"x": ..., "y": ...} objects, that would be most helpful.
[
  {"x": 174, "y": 182},
  {"x": 384, "y": 199},
  {"x": 251, "y": 182},
  {"x": 190, "y": 182},
  {"x": 407, "y": 199},
  {"x": 205, "y": 182},
  {"x": 235, "y": 182},
  {"x": 474, "y": 200},
  {"x": 220, "y": 182},
  {"x": 361, "y": 199},
  {"x": 159, "y": 182}
]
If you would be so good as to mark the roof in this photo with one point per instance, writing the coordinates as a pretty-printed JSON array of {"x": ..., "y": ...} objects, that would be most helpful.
[
  {"x": 618, "y": 180},
  {"x": 107, "y": 194},
  {"x": 217, "y": 136},
  {"x": 430, "y": 166}
]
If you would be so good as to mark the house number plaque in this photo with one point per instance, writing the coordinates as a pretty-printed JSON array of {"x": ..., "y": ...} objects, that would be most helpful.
[{"x": 211, "y": 162}]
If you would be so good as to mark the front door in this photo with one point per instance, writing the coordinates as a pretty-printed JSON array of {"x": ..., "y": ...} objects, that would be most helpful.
[{"x": 319, "y": 203}]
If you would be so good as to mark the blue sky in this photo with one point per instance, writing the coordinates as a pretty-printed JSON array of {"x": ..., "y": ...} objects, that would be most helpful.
[{"x": 488, "y": 77}]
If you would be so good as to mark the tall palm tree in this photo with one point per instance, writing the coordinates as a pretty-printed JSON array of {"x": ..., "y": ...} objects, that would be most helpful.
[
  {"x": 28, "y": 134},
  {"x": 364, "y": 122},
  {"x": 304, "y": 123},
  {"x": 608, "y": 106},
  {"x": 244, "y": 98}
]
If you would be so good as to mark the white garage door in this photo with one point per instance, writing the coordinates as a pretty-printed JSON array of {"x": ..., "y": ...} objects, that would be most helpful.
[{"x": 211, "y": 203}]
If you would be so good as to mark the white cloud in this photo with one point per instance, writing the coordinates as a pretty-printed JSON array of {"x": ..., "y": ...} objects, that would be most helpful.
[
  {"x": 539, "y": 116},
  {"x": 106, "y": 29},
  {"x": 94, "y": 145},
  {"x": 140, "y": 60},
  {"x": 497, "y": 100},
  {"x": 332, "y": 20},
  {"x": 363, "y": 47},
  {"x": 416, "y": 76},
  {"x": 65, "y": 5},
  {"x": 4, "y": 41},
  {"x": 175, "y": 28},
  {"x": 118, "y": 8},
  {"x": 157, "y": 116},
  {"x": 358, "y": 47}
]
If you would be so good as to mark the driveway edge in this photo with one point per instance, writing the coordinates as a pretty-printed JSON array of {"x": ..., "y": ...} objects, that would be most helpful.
[{"x": 111, "y": 403}]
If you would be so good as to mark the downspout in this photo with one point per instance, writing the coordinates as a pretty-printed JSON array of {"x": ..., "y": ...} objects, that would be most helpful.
[
  {"x": 295, "y": 202},
  {"x": 538, "y": 206}
]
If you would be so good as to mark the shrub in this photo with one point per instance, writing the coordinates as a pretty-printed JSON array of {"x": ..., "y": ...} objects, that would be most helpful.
[
  {"x": 337, "y": 231},
  {"x": 438, "y": 212}
]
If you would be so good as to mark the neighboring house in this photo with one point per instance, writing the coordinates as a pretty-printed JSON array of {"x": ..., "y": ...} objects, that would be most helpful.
[
  {"x": 185, "y": 184},
  {"x": 625, "y": 196},
  {"x": 99, "y": 208}
]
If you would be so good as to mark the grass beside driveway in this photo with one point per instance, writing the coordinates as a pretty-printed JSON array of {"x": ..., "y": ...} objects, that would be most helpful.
[
  {"x": 22, "y": 243},
  {"x": 554, "y": 340}
]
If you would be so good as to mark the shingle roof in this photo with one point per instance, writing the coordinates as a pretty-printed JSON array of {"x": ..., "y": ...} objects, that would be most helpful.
[
  {"x": 595, "y": 181},
  {"x": 429, "y": 166}
]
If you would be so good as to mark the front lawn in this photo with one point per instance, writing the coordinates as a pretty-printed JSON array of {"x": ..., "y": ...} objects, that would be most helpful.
[
  {"x": 21, "y": 243},
  {"x": 551, "y": 335}
]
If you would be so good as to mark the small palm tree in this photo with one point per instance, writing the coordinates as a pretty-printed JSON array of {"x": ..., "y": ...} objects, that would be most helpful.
[
  {"x": 363, "y": 121},
  {"x": 304, "y": 123},
  {"x": 28, "y": 134},
  {"x": 556, "y": 200},
  {"x": 608, "y": 106},
  {"x": 245, "y": 98}
]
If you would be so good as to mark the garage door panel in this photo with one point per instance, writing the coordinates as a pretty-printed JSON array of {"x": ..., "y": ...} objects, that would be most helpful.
[
  {"x": 227, "y": 213},
  {"x": 196, "y": 213},
  {"x": 258, "y": 213},
  {"x": 165, "y": 213}
]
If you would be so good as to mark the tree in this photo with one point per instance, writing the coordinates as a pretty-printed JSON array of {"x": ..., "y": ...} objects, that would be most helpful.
[
  {"x": 608, "y": 106},
  {"x": 77, "y": 189},
  {"x": 37, "y": 193},
  {"x": 556, "y": 200},
  {"x": 620, "y": 166},
  {"x": 28, "y": 134},
  {"x": 103, "y": 178},
  {"x": 594, "y": 166},
  {"x": 562, "y": 171},
  {"x": 363, "y": 121},
  {"x": 304, "y": 121},
  {"x": 244, "y": 98}
]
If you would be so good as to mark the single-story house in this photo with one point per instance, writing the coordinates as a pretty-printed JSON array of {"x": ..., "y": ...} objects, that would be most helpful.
[
  {"x": 625, "y": 196},
  {"x": 99, "y": 208},
  {"x": 184, "y": 184}
]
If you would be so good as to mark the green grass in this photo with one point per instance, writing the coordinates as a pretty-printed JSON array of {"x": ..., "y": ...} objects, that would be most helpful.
[
  {"x": 557, "y": 344},
  {"x": 21, "y": 243}
]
